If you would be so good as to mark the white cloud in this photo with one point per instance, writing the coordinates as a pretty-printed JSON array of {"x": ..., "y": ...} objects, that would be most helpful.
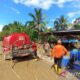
[
  {"x": 15, "y": 10},
  {"x": 1, "y": 26},
  {"x": 76, "y": 3},
  {"x": 73, "y": 14},
  {"x": 49, "y": 27},
  {"x": 73, "y": 20},
  {"x": 61, "y": 3},
  {"x": 44, "y": 4},
  {"x": 51, "y": 20}
]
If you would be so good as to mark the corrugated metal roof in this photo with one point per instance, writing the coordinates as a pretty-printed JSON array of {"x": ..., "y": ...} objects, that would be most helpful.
[{"x": 75, "y": 32}]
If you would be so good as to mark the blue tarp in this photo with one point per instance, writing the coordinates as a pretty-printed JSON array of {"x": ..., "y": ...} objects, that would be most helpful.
[
  {"x": 77, "y": 65},
  {"x": 78, "y": 55},
  {"x": 65, "y": 61},
  {"x": 74, "y": 52},
  {"x": 70, "y": 41}
]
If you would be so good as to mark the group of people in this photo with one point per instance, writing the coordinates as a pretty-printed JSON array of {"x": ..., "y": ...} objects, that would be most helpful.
[{"x": 57, "y": 52}]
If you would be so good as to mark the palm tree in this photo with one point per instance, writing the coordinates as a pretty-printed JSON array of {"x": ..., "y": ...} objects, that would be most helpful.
[
  {"x": 37, "y": 22},
  {"x": 76, "y": 23},
  {"x": 13, "y": 27},
  {"x": 76, "y": 27},
  {"x": 60, "y": 23},
  {"x": 5, "y": 30},
  {"x": 17, "y": 27}
]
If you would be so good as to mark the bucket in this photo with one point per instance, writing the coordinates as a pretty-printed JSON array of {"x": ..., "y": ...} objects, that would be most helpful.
[{"x": 65, "y": 61}]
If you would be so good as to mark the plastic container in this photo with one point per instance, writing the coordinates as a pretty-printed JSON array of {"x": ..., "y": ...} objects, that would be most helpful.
[
  {"x": 73, "y": 52},
  {"x": 65, "y": 61}
]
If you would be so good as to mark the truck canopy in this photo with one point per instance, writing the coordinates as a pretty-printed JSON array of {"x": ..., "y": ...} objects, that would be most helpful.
[{"x": 17, "y": 39}]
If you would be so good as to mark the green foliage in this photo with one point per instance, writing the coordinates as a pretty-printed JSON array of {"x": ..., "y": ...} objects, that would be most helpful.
[
  {"x": 36, "y": 25},
  {"x": 60, "y": 23},
  {"x": 38, "y": 22},
  {"x": 13, "y": 27},
  {"x": 52, "y": 38},
  {"x": 35, "y": 34},
  {"x": 76, "y": 27}
]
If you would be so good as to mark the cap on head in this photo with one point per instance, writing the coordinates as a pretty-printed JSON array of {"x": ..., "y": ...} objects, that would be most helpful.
[{"x": 59, "y": 41}]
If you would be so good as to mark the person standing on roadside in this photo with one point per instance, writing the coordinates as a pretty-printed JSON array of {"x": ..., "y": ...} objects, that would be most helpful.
[
  {"x": 34, "y": 47},
  {"x": 57, "y": 53},
  {"x": 46, "y": 48}
]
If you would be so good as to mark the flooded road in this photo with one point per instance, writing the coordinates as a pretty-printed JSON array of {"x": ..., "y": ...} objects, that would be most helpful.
[{"x": 27, "y": 69}]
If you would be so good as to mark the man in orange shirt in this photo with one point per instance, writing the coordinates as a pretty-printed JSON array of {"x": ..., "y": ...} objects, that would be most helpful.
[{"x": 57, "y": 53}]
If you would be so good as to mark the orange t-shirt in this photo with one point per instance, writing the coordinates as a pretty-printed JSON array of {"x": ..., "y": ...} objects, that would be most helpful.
[{"x": 58, "y": 51}]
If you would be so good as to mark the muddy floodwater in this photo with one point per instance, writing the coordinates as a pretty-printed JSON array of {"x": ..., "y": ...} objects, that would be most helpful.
[{"x": 26, "y": 69}]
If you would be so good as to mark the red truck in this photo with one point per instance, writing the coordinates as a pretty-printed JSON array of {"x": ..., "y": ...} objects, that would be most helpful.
[{"x": 16, "y": 45}]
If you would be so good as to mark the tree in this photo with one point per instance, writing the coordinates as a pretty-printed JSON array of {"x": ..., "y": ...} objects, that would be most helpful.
[
  {"x": 76, "y": 27},
  {"x": 76, "y": 23},
  {"x": 13, "y": 27},
  {"x": 37, "y": 22},
  {"x": 60, "y": 23}
]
